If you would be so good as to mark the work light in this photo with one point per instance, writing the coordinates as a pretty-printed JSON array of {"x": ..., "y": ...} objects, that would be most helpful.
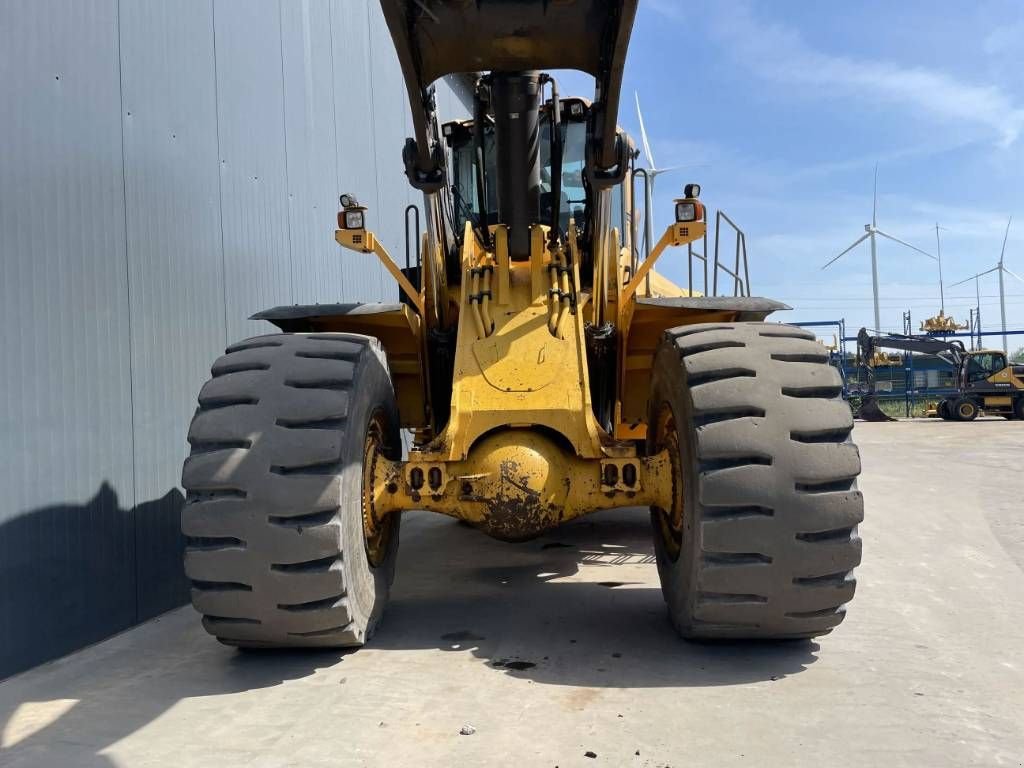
[
  {"x": 354, "y": 219},
  {"x": 689, "y": 210}
]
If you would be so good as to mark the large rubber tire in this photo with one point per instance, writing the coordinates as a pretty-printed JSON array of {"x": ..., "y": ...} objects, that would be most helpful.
[
  {"x": 762, "y": 540},
  {"x": 1018, "y": 407},
  {"x": 965, "y": 409},
  {"x": 273, "y": 513}
]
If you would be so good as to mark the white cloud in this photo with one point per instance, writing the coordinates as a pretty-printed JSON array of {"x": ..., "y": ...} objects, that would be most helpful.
[{"x": 778, "y": 53}]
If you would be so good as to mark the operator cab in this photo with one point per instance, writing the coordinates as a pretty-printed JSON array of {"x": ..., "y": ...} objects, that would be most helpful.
[
  {"x": 982, "y": 365},
  {"x": 573, "y": 203}
]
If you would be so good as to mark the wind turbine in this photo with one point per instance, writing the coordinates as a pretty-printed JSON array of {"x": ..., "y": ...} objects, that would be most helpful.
[
  {"x": 1001, "y": 269},
  {"x": 871, "y": 231},
  {"x": 653, "y": 172}
]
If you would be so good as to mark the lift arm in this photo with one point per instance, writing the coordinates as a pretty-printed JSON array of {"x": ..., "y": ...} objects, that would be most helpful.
[{"x": 444, "y": 37}]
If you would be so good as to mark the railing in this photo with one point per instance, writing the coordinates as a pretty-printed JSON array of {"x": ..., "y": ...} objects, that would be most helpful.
[
  {"x": 740, "y": 271},
  {"x": 415, "y": 211},
  {"x": 741, "y": 285}
]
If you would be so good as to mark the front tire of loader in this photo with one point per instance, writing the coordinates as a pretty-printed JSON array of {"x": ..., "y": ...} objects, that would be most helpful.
[
  {"x": 762, "y": 540},
  {"x": 273, "y": 517}
]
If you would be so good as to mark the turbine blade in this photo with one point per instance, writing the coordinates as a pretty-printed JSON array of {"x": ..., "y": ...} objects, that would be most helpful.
[
  {"x": 643, "y": 134},
  {"x": 1006, "y": 234},
  {"x": 1013, "y": 274},
  {"x": 974, "y": 277},
  {"x": 855, "y": 243},
  {"x": 902, "y": 242},
  {"x": 874, "y": 200}
]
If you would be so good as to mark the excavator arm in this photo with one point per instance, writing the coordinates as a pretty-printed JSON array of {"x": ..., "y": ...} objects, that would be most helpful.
[{"x": 953, "y": 352}]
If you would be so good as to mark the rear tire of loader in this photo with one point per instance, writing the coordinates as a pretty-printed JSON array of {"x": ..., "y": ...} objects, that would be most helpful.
[
  {"x": 762, "y": 539},
  {"x": 274, "y": 509}
]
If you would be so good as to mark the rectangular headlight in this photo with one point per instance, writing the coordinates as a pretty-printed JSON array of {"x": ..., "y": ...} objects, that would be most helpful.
[
  {"x": 353, "y": 220},
  {"x": 686, "y": 212}
]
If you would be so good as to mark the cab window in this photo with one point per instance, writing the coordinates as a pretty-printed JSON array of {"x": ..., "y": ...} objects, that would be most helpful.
[
  {"x": 980, "y": 367},
  {"x": 573, "y": 197}
]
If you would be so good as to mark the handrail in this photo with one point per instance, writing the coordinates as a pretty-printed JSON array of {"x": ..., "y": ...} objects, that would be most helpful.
[
  {"x": 634, "y": 235},
  {"x": 740, "y": 271},
  {"x": 741, "y": 285},
  {"x": 416, "y": 219}
]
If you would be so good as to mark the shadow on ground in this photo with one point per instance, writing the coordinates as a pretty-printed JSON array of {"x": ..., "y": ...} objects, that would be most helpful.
[{"x": 578, "y": 607}]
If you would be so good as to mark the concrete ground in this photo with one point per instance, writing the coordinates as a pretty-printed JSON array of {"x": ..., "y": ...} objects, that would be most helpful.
[{"x": 560, "y": 646}]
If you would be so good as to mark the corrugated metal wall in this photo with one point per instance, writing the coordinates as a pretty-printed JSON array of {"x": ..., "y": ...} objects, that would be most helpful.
[{"x": 166, "y": 170}]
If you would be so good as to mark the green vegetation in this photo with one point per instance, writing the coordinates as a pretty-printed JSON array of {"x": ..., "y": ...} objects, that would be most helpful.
[
  {"x": 896, "y": 407},
  {"x": 1018, "y": 356}
]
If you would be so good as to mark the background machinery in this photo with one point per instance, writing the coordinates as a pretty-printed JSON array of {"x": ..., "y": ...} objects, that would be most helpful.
[
  {"x": 543, "y": 369},
  {"x": 984, "y": 379}
]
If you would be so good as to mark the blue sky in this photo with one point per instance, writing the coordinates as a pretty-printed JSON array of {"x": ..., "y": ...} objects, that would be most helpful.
[{"x": 788, "y": 106}]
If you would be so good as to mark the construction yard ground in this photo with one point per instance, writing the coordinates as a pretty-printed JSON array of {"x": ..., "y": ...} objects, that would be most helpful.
[{"x": 557, "y": 652}]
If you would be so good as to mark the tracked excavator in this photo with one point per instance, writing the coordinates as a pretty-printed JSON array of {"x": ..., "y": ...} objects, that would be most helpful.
[{"x": 542, "y": 368}]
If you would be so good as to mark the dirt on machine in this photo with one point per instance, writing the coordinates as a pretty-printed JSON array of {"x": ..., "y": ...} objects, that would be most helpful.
[{"x": 542, "y": 367}]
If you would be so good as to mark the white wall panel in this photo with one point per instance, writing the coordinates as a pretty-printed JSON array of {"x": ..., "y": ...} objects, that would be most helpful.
[
  {"x": 357, "y": 144},
  {"x": 176, "y": 269},
  {"x": 166, "y": 170},
  {"x": 312, "y": 150},
  {"x": 254, "y": 198},
  {"x": 65, "y": 395}
]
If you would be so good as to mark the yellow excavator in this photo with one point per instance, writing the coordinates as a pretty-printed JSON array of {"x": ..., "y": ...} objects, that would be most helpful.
[
  {"x": 542, "y": 368},
  {"x": 984, "y": 380}
]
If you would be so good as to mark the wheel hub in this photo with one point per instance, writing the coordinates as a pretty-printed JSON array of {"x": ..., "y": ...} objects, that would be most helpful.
[
  {"x": 376, "y": 530},
  {"x": 670, "y": 521}
]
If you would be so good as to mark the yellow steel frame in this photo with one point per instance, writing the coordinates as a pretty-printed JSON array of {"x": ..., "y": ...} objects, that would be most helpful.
[
  {"x": 365, "y": 241},
  {"x": 522, "y": 450}
]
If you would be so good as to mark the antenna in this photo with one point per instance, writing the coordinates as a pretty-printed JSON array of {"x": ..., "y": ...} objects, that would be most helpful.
[{"x": 938, "y": 251}]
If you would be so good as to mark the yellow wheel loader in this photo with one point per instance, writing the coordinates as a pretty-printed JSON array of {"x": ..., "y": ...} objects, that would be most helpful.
[{"x": 543, "y": 370}]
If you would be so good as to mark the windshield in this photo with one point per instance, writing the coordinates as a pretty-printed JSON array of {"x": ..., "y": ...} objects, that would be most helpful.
[
  {"x": 980, "y": 367},
  {"x": 573, "y": 197}
]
